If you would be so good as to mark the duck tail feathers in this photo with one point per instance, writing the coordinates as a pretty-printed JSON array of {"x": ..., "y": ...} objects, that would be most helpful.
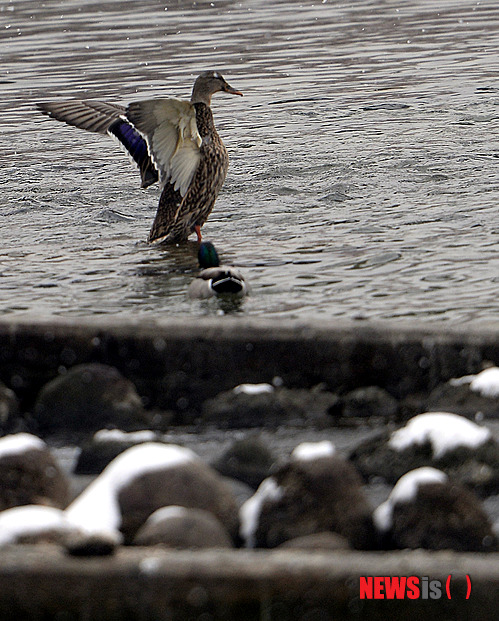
[{"x": 228, "y": 283}]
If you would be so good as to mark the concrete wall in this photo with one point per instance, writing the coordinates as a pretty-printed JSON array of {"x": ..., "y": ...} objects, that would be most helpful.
[
  {"x": 157, "y": 585},
  {"x": 201, "y": 357}
]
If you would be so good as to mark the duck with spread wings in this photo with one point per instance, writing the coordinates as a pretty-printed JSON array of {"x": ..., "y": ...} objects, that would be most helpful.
[{"x": 171, "y": 140}]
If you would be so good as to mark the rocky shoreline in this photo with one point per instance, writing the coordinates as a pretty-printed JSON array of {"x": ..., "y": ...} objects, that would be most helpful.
[{"x": 121, "y": 392}]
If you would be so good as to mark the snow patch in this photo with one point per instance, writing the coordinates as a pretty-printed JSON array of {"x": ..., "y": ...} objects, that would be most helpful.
[
  {"x": 405, "y": 490},
  {"x": 32, "y": 520},
  {"x": 485, "y": 383},
  {"x": 19, "y": 443},
  {"x": 117, "y": 435},
  {"x": 249, "y": 513},
  {"x": 165, "y": 513},
  {"x": 96, "y": 510},
  {"x": 307, "y": 451},
  {"x": 253, "y": 389},
  {"x": 443, "y": 430}
]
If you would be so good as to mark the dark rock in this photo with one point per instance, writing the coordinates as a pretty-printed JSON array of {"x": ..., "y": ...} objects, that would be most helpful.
[
  {"x": 180, "y": 527},
  {"x": 318, "y": 541},
  {"x": 369, "y": 401},
  {"x": 54, "y": 536},
  {"x": 460, "y": 399},
  {"x": 8, "y": 407},
  {"x": 95, "y": 456},
  {"x": 93, "y": 544},
  {"x": 476, "y": 468},
  {"x": 308, "y": 497},
  {"x": 87, "y": 398},
  {"x": 235, "y": 410},
  {"x": 374, "y": 458},
  {"x": 97, "y": 453},
  {"x": 190, "y": 484},
  {"x": 441, "y": 515},
  {"x": 29, "y": 474},
  {"x": 248, "y": 460},
  {"x": 241, "y": 491},
  {"x": 78, "y": 484}
]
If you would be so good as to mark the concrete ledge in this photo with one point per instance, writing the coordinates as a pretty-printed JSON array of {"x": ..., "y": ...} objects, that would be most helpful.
[
  {"x": 40, "y": 582},
  {"x": 198, "y": 358}
]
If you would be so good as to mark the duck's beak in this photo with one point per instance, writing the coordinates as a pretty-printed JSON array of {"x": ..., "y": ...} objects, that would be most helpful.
[{"x": 227, "y": 88}]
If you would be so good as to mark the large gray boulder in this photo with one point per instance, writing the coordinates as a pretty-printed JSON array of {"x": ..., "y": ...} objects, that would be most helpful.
[{"x": 87, "y": 398}]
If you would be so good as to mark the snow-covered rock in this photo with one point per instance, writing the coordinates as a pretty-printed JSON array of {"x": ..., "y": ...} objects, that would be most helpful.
[
  {"x": 428, "y": 510},
  {"x": 34, "y": 523},
  {"x": 308, "y": 496},
  {"x": 405, "y": 490},
  {"x": 464, "y": 450},
  {"x": 145, "y": 478},
  {"x": 443, "y": 430},
  {"x": 468, "y": 395},
  {"x": 29, "y": 474}
]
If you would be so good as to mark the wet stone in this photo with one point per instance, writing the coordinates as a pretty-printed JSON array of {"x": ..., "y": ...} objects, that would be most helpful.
[
  {"x": 54, "y": 536},
  {"x": 95, "y": 456},
  {"x": 460, "y": 399},
  {"x": 97, "y": 453},
  {"x": 239, "y": 410},
  {"x": 30, "y": 476},
  {"x": 8, "y": 407},
  {"x": 183, "y": 528},
  {"x": 87, "y": 398},
  {"x": 369, "y": 401},
  {"x": 94, "y": 544},
  {"x": 318, "y": 541},
  {"x": 248, "y": 460},
  {"x": 192, "y": 484}
]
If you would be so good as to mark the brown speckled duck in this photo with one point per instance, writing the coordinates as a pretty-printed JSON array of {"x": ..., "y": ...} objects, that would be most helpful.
[{"x": 169, "y": 139}]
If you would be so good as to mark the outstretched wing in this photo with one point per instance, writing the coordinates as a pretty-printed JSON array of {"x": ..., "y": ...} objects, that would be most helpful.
[
  {"x": 105, "y": 118},
  {"x": 170, "y": 130},
  {"x": 94, "y": 116}
]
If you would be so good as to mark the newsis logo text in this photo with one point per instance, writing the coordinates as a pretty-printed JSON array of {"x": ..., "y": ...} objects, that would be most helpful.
[{"x": 407, "y": 587}]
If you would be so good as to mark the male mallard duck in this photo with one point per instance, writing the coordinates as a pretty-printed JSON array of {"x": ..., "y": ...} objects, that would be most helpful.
[
  {"x": 169, "y": 138},
  {"x": 215, "y": 279}
]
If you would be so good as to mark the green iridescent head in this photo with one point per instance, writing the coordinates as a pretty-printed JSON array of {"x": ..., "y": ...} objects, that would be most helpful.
[{"x": 207, "y": 255}]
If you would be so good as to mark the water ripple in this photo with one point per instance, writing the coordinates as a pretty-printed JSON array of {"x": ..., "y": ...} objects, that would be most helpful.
[{"x": 364, "y": 177}]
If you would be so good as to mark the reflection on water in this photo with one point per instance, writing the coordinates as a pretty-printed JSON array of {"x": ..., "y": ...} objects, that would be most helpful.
[{"x": 364, "y": 177}]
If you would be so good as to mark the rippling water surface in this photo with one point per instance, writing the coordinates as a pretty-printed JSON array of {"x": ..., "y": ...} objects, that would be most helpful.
[{"x": 364, "y": 177}]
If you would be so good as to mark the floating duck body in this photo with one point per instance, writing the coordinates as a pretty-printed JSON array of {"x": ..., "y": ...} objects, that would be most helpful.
[
  {"x": 216, "y": 279},
  {"x": 171, "y": 140}
]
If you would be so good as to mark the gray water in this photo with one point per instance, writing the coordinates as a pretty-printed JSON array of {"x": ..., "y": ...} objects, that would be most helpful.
[{"x": 364, "y": 177}]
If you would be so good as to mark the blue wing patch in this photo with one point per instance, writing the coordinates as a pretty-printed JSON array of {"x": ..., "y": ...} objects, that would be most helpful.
[{"x": 137, "y": 148}]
